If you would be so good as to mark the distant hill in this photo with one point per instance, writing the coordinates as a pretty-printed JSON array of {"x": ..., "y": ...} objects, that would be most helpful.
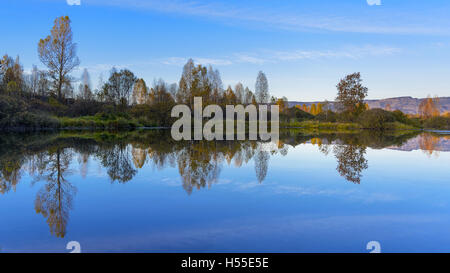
[{"x": 408, "y": 105}]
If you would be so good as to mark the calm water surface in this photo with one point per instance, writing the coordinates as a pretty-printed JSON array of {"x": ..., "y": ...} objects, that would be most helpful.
[{"x": 142, "y": 192}]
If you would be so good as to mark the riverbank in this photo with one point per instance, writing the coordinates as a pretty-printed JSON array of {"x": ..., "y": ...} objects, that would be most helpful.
[{"x": 124, "y": 122}]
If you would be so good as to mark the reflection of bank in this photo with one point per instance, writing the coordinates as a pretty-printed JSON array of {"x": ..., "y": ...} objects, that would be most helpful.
[{"x": 429, "y": 142}]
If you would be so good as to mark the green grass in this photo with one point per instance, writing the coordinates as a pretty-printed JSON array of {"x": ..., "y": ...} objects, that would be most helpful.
[
  {"x": 310, "y": 124},
  {"x": 94, "y": 122},
  {"x": 399, "y": 126}
]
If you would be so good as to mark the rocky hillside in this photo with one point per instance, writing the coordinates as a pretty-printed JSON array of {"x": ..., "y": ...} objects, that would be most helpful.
[{"x": 407, "y": 105}]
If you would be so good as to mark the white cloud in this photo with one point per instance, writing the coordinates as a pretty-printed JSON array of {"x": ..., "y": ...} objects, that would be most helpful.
[
  {"x": 73, "y": 2},
  {"x": 374, "y": 2},
  {"x": 270, "y": 56},
  {"x": 282, "y": 18},
  {"x": 178, "y": 61},
  {"x": 351, "y": 53}
]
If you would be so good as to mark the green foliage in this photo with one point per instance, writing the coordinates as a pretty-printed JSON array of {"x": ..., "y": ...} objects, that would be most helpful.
[
  {"x": 376, "y": 119},
  {"x": 84, "y": 108},
  {"x": 351, "y": 93},
  {"x": 14, "y": 113},
  {"x": 437, "y": 123},
  {"x": 295, "y": 114},
  {"x": 327, "y": 116},
  {"x": 324, "y": 126},
  {"x": 348, "y": 116},
  {"x": 100, "y": 121}
]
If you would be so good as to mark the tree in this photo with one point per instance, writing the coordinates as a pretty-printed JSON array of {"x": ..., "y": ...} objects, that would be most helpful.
[
  {"x": 282, "y": 104},
  {"x": 351, "y": 93},
  {"x": 429, "y": 107},
  {"x": 34, "y": 80},
  {"x": 43, "y": 83},
  {"x": 184, "y": 91},
  {"x": 216, "y": 84},
  {"x": 173, "y": 90},
  {"x": 11, "y": 71},
  {"x": 319, "y": 108},
  {"x": 313, "y": 109},
  {"x": 198, "y": 81},
  {"x": 230, "y": 96},
  {"x": 58, "y": 52},
  {"x": 119, "y": 86},
  {"x": 262, "y": 88},
  {"x": 140, "y": 93},
  {"x": 161, "y": 101},
  {"x": 248, "y": 96},
  {"x": 85, "y": 91},
  {"x": 159, "y": 93},
  {"x": 239, "y": 91},
  {"x": 305, "y": 108}
]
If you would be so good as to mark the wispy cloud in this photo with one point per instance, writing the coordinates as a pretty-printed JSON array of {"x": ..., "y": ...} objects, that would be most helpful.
[
  {"x": 178, "y": 61},
  {"x": 73, "y": 2},
  {"x": 282, "y": 17},
  {"x": 374, "y": 2},
  {"x": 271, "y": 56}
]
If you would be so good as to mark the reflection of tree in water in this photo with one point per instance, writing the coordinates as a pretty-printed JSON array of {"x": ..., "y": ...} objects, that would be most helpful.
[
  {"x": 351, "y": 161},
  {"x": 116, "y": 160},
  {"x": 139, "y": 157},
  {"x": 199, "y": 162},
  {"x": 10, "y": 174},
  {"x": 199, "y": 165},
  {"x": 54, "y": 200},
  {"x": 428, "y": 144},
  {"x": 261, "y": 164}
]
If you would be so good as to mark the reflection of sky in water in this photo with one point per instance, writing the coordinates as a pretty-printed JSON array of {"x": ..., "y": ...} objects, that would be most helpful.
[{"x": 303, "y": 205}]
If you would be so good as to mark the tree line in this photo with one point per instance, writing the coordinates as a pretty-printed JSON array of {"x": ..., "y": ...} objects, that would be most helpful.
[{"x": 48, "y": 98}]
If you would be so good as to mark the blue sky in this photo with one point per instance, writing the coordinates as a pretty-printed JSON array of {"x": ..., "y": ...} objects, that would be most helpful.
[{"x": 401, "y": 47}]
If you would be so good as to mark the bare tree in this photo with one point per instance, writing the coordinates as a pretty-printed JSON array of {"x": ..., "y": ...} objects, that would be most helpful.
[
  {"x": 58, "y": 52},
  {"x": 239, "y": 91},
  {"x": 119, "y": 86},
  {"x": 85, "y": 90},
  {"x": 262, "y": 88},
  {"x": 140, "y": 92}
]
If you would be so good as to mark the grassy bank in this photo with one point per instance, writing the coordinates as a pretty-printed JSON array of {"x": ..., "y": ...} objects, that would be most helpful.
[{"x": 339, "y": 126}]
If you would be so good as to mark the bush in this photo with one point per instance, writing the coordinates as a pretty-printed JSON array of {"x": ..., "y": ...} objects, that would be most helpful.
[
  {"x": 83, "y": 108},
  {"x": 56, "y": 107},
  {"x": 10, "y": 106},
  {"x": 328, "y": 116},
  {"x": 437, "y": 123},
  {"x": 403, "y": 118},
  {"x": 14, "y": 113},
  {"x": 347, "y": 116},
  {"x": 376, "y": 119},
  {"x": 295, "y": 113}
]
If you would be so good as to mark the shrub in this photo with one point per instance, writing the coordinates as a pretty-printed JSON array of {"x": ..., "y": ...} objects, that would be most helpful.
[
  {"x": 376, "y": 119},
  {"x": 438, "y": 123},
  {"x": 296, "y": 113},
  {"x": 83, "y": 108},
  {"x": 347, "y": 116},
  {"x": 328, "y": 116}
]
